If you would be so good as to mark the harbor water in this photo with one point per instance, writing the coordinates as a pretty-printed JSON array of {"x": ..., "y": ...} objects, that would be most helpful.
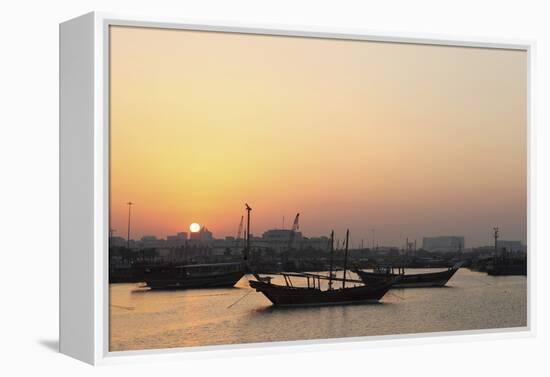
[{"x": 144, "y": 319}]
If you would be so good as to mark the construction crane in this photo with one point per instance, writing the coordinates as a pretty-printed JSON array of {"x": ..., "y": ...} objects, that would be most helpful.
[
  {"x": 295, "y": 227},
  {"x": 239, "y": 232}
]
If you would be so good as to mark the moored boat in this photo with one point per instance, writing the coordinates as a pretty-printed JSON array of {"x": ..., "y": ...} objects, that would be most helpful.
[
  {"x": 213, "y": 275},
  {"x": 430, "y": 279},
  {"x": 289, "y": 295},
  {"x": 507, "y": 267},
  {"x": 314, "y": 294}
]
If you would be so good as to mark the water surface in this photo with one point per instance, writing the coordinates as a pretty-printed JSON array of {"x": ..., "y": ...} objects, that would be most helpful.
[{"x": 144, "y": 319}]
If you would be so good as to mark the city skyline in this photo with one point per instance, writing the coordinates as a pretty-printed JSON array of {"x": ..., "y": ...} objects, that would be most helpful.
[
  {"x": 366, "y": 241},
  {"x": 336, "y": 130}
]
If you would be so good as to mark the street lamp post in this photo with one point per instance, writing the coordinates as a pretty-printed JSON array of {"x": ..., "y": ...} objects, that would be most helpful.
[
  {"x": 248, "y": 209},
  {"x": 129, "y": 214},
  {"x": 495, "y": 236}
]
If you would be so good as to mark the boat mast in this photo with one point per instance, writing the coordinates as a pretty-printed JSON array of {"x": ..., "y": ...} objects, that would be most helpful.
[
  {"x": 331, "y": 259},
  {"x": 345, "y": 259}
]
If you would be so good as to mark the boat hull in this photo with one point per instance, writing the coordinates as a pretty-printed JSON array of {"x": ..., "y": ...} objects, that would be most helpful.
[
  {"x": 432, "y": 279},
  {"x": 507, "y": 270},
  {"x": 225, "y": 280},
  {"x": 297, "y": 296}
]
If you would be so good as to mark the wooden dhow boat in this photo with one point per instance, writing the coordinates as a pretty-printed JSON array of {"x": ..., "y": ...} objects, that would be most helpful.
[
  {"x": 423, "y": 280},
  {"x": 314, "y": 294},
  {"x": 289, "y": 295},
  {"x": 212, "y": 275}
]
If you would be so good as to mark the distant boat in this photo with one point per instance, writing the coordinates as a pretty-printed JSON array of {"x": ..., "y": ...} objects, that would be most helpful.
[
  {"x": 506, "y": 266},
  {"x": 430, "y": 279},
  {"x": 213, "y": 275},
  {"x": 313, "y": 294}
]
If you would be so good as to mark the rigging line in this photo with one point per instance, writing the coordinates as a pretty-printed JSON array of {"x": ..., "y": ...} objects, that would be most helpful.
[
  {"x": 481, "y": 281},
  {"x": 240, "y": 298},
  {"x": 396, "y": 295}
]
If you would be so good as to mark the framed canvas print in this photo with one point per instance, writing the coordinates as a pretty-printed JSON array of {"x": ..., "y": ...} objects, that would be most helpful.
[{"x": 227, "y": 186}]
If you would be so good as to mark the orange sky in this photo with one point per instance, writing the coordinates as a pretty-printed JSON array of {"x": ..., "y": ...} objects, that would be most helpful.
[{"x": 411, "y": 140}]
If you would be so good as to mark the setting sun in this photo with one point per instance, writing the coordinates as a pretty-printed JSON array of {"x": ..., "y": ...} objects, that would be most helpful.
[{"x": 194, "y": 228}]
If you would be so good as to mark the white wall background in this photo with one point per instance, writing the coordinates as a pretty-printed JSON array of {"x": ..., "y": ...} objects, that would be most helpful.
[{"x": 29, "y": 184}]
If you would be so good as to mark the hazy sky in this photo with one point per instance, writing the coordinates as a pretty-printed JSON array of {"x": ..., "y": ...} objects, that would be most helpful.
[{"x": 411, "y": 140}]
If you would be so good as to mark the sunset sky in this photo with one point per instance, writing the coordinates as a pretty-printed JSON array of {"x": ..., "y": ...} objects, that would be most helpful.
[{"x": 412, "y": 140}]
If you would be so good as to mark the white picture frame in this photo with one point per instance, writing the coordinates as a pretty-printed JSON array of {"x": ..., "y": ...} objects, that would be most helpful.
[{"x": 84, "y": 207}]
